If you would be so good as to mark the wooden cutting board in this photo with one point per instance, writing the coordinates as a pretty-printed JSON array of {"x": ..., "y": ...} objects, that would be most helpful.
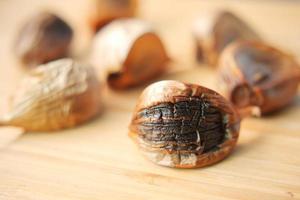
[{"x": 98, "y": 161}]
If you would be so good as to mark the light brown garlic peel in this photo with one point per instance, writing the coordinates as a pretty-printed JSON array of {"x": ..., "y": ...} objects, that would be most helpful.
[
  {"x": 128, "y": 53},
  {"x": 104, "y": 11},
  {"x": 57, "y": 95},
  {"x": 213, "y": 31}
]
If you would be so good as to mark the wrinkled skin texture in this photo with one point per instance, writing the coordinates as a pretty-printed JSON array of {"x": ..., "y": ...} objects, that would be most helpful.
[
  {"x": 255, "y": 74},
  {"x": 188, "y": 125},
  {"x": 184, "y": 125},
  {"x": 44, "y": 38},
  {"x": 54, "y": 96}
]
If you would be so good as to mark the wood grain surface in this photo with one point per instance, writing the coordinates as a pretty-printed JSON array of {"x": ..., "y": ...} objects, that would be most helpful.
[{"x": 98, "y": 160}]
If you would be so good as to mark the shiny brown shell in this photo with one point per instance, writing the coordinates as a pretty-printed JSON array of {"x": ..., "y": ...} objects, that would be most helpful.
[
  {"x": 256, "y": 74},
  {"x": 128, "y": 53},
  {"x": 45, "y": 37},
  {"x": 184, "y": 125},
  {"x": 104, "y": 11},
  {"x": 214, "y": 30},
  {"x": 54, "y": 96}
]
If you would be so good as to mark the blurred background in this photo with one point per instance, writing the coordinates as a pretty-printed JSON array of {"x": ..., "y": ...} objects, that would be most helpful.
[{"x": 276, "y": 21}]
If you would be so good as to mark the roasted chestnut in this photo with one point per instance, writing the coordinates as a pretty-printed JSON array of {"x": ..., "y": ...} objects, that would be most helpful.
[
  {"x": 256, "y": 74},
  {"x": 184, "y": 125},
  {"x": 44, "y": 38},
  {"x": 128, "y": 53},
  {"x": 57, "y": 95},
  {"x": 213, "y": 31}
]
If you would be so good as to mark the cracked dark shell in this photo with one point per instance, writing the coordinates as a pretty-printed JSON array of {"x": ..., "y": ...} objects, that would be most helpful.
[
  {"x": 45, "y": 37},
  {"x": 184, "y": 125},
  {"x": 54, "y": 96},
  {"x": 256, "y": 74}
]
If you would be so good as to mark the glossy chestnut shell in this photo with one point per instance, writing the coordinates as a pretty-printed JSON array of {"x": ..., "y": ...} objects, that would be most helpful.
[
  {"x": 256, "y": 74},
  {"x": 184, "y": 125}
]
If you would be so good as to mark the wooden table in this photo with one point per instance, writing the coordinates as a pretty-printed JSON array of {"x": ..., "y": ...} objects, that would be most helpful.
[{"x": 98, "y": 161}]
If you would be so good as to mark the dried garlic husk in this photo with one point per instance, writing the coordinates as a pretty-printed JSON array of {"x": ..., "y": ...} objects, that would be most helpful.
[
  {"x": 184, "y": 125},
  {"x": 128, "y": 53},
  {"x": 213, "y": 31},
  {"x": 45, "y": 37},
  {"x": 57, "y": 95},
  {"x": 253, "y": 73}
]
